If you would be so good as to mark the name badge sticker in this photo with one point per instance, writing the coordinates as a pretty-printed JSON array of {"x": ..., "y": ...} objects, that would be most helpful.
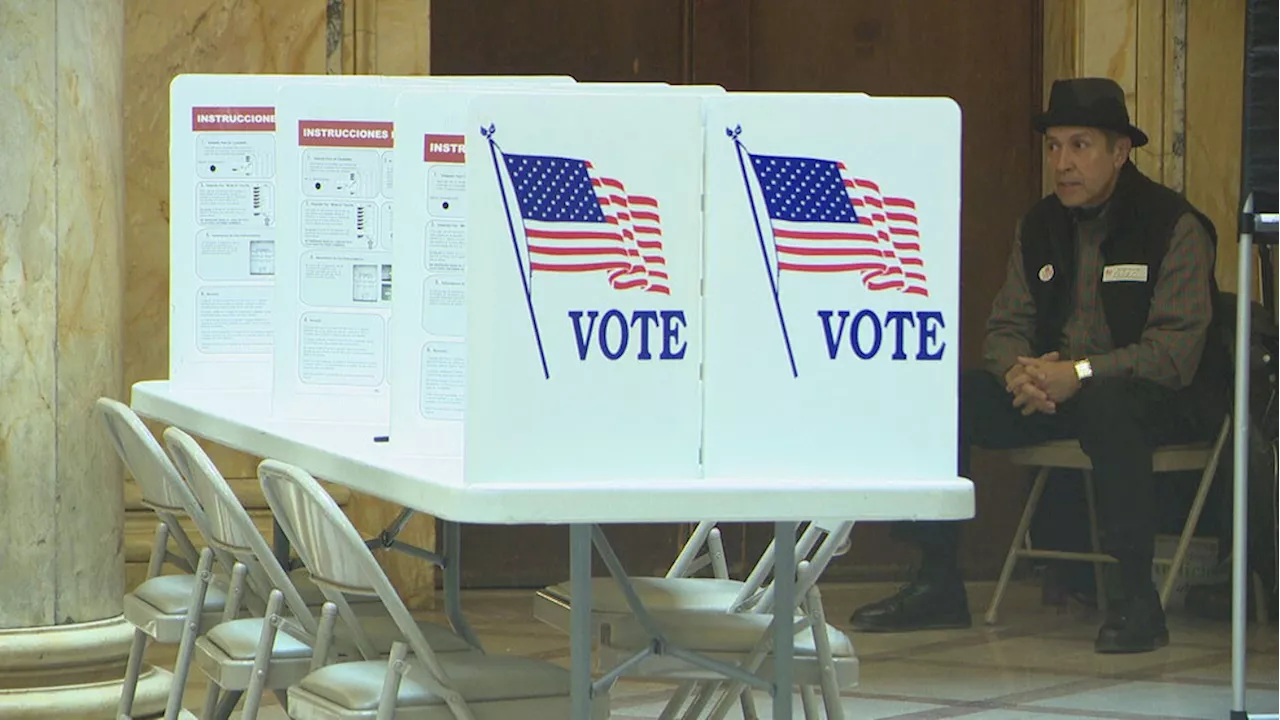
[{"x": 1124, "y": 273}]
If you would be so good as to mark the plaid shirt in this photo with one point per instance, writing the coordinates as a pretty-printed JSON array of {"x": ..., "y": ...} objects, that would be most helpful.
[{"x": 1172, "y": 341}]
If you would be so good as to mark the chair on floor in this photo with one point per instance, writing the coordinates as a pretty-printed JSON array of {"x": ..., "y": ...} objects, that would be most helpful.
[
  {"x": 275, "y": 650},
  {"x": 418, "y": 682},
  {"x": 158, "y": 607},
  {"x": 1068, "y": 454},
  {"x": 679, "y": 589},
  {"x": 824, "y": 656}
]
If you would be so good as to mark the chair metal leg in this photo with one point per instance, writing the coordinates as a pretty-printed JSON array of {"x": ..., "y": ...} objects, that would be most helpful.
[
  {"x": 808, "y": 703},
  {"x": 324, "y": 636},
  {"x": 262, "y": 656},
  {"x": 235, "y": 593},
  {"x": 822, "y": 643},
  {"x": 131, "y": 673},
  {"x": 211, "y": 702},
  {"x": 1011, "y": 559},
  {"x": 678, "y": 698},
  {"x": 391, "y": 683},
  {"x": 139, "y": 646},
  {"x": 748, "y": 703},
  {"x": 706, "y": 691},
  {"x": 715, "y": 549},
  {"x": 1095, "y": 540},
  {"x": 190, "y": 629},
  {"x": 226, "y": 705},
  {"x": 1193, "y": 517}
]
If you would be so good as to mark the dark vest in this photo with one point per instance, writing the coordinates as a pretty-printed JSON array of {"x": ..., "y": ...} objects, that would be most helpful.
[{"x": 1140, "y": 219}]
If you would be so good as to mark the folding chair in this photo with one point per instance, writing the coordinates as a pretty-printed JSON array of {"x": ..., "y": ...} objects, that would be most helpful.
[
  {"x": 428, "y": 686},
  {"x": 678, "y": 590},
  {"x": 740, "y": 634},
  {"x": 275, "y": 650},
  {"x": 1068, "y": 454},
  {"x": 158, "y": 607}
]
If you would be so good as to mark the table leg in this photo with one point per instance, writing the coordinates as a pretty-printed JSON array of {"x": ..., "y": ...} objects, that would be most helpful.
[
  {"x": 784, "y": 608},
  {"x": 580, "y": 621},
  {"x": 452, "y": 569}
]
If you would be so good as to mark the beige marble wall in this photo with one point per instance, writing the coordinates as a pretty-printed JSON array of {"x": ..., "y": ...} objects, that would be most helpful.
[
  {"x": 63, "y": 639},
  {"x": 29, "y": 297},
  {"x": 61, "y": 209},
  {"x": 165, "y": 39}
]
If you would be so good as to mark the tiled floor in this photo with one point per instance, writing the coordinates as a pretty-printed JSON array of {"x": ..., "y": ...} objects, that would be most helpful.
[{"x": 1038, "y": 663}]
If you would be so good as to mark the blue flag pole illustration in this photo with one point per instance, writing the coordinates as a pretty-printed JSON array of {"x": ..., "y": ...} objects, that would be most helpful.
[
  {"x": 764, "y": 252},
  {"x": 494, "y": 150}
]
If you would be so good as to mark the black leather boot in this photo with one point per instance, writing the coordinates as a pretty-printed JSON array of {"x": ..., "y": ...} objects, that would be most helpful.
[
  {"x": 924, "y": 604},
  {"x": 1134, "y": 625}
]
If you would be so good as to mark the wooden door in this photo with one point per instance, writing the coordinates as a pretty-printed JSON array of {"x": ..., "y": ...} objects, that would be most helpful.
[{"x": 983, "y": 53}]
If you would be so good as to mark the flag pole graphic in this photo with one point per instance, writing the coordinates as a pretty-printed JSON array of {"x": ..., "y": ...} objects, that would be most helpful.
[
  {"x": 515, "y": 244},
  {"x": 764, "y": 253}
]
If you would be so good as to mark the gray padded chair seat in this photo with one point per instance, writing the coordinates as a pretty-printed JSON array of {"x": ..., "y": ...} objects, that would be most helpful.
[
  {"x": 238, "y": 639},
  {"x": 722, "y": 633},
  {"x": 657, "y": 594},
  {"x": 171, "y": 594},
  {"x": 477, "y": 677},
  {"x": 158, "y": 607}
]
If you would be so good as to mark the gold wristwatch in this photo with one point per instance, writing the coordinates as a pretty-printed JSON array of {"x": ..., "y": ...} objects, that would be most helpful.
[{"x": 1084, "y": 370}]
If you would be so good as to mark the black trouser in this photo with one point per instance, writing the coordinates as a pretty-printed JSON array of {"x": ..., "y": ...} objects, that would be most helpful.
[{"x": 1118, "y": 422}]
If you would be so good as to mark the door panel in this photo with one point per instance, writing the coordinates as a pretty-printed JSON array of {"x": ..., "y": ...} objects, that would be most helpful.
[{"x": 588, "y": 39}]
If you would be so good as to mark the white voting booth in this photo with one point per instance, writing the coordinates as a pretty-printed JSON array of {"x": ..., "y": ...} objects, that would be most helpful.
[
  {"x": 223, "y": 223},
  {"x": 593, "y": 280},
  {"x": 583, "y": 269},
  {"x": 522, "y": 300},
  {"x": 428, "y": 346},
  {"x": 831, "y": 287},
  {"x": 333, "y": 290},
  {"x": 225, "y": 199}
]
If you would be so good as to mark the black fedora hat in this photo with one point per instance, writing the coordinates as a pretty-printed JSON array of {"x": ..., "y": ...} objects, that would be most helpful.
[{"x": 1089, "y": 102}]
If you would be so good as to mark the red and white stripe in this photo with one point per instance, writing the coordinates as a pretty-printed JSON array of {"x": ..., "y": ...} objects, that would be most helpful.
[
  {"x": 628, "y": 246},
  {"x": 894, "y": 223}
]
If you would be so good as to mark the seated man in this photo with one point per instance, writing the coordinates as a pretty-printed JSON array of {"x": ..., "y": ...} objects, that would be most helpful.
[{"x": 1097, "y": 334}]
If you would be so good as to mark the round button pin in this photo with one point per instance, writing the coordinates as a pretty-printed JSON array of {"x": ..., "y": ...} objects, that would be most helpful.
[{"x": 1046, "y": 273}]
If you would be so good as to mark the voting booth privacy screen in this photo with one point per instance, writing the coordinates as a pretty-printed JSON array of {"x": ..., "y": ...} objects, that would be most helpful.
[{"x": 574, "y": 282}]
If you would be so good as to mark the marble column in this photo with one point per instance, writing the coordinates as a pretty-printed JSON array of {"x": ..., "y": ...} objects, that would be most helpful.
[{"x": 63, "y": 640}]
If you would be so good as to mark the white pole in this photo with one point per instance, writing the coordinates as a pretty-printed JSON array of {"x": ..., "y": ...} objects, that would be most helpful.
[{"x": 1239, "y": 548}]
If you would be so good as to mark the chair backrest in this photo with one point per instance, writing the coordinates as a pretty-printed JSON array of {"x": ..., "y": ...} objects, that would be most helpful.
[
  {"x": 691, "y": 557},
  {"x": 162, "y": 489},
  {"x": 336, "y": 555},
  {"x": 818, "y": 544},
  {"x": 231, "y": 528}
]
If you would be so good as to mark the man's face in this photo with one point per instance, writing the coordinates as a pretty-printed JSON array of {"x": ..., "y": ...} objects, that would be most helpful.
[{"x": 1084, "y": 168}]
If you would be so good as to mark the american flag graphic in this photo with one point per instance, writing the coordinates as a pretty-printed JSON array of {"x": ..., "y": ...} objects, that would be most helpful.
[
  {"x": 823, "y": 220},
  {"x": 576, "y": 220}
]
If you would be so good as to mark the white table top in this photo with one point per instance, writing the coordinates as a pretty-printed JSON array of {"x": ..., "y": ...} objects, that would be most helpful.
[{"x": 347, "y": 455}]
